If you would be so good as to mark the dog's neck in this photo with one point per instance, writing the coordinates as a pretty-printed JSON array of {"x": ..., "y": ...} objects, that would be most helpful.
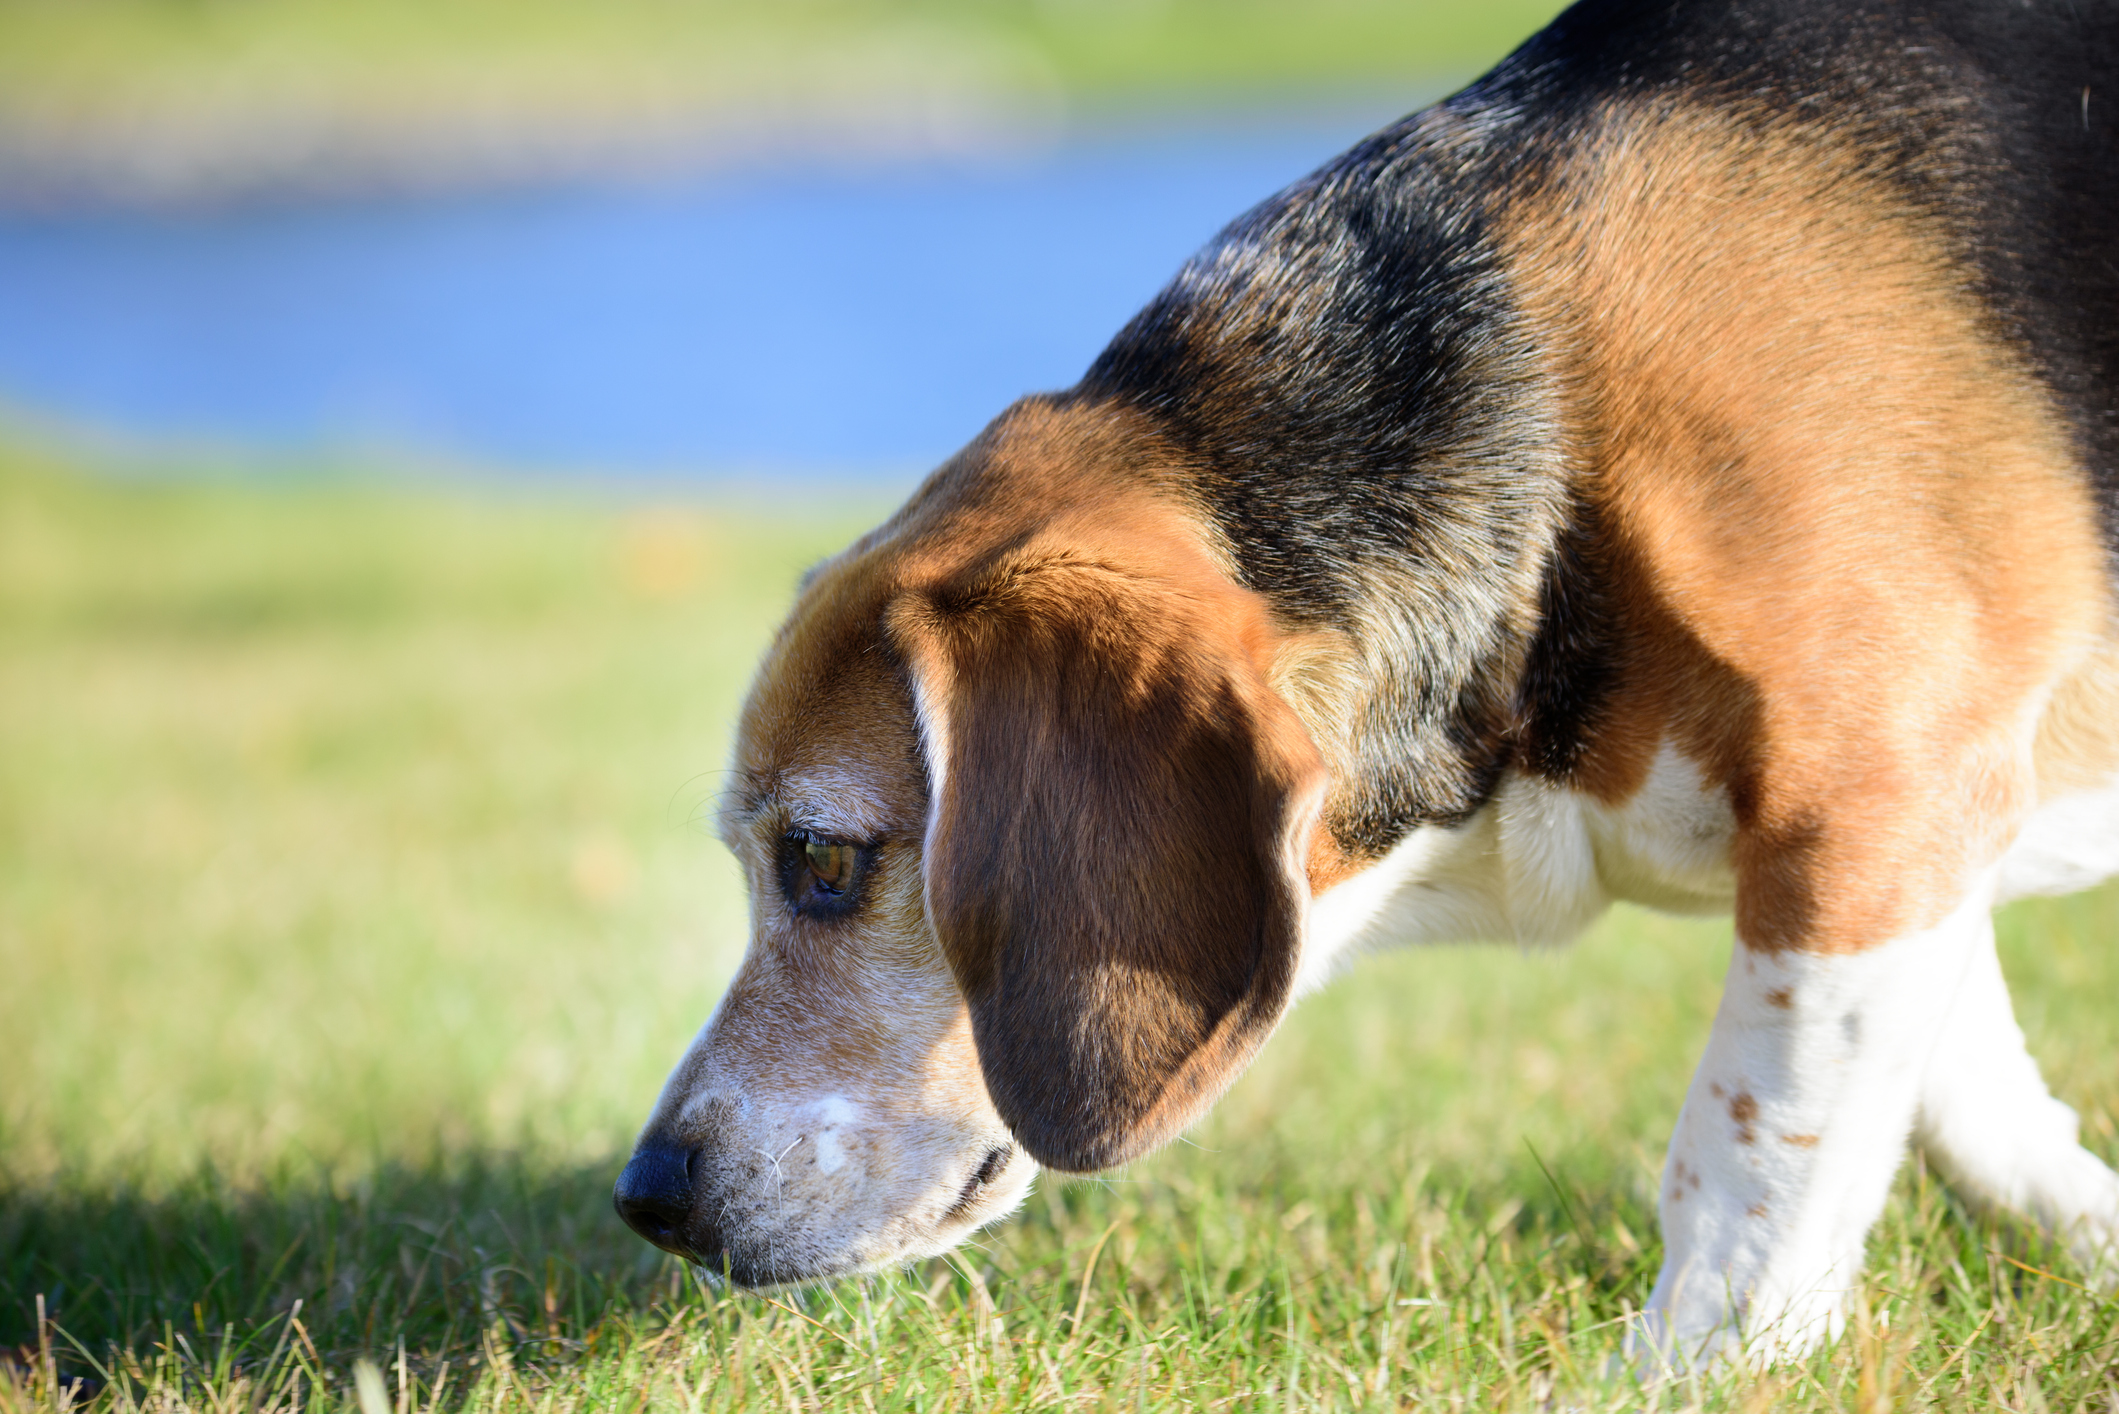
[{"x": 1374, "y": 458}]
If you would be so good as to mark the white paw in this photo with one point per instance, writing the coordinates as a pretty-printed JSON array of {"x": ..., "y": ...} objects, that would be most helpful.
[{"x": 1656, "y": 1350}]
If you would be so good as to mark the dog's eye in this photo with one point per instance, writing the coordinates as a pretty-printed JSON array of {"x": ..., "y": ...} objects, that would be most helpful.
[
  {"x": 830, "y": 865},
  {"x": 821, "y": 877}
]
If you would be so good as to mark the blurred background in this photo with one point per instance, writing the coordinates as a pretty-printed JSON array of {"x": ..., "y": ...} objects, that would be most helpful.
[{"x": 640, "y": 238}]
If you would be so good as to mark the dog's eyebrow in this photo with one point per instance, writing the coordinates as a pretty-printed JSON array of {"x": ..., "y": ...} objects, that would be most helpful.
[{"x": 832, "y": 801}]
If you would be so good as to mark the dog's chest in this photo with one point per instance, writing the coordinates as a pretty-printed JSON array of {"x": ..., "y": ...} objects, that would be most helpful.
[{"x": 1536, "y": 864}]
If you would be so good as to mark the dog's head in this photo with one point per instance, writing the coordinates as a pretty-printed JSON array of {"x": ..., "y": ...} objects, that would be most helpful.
[{"x": 1026, "y": 827}]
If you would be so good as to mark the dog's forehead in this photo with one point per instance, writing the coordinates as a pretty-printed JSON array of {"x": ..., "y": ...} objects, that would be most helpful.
[
  {"x": 829, "y": 724},
  {"x": 831, "y": 715}
]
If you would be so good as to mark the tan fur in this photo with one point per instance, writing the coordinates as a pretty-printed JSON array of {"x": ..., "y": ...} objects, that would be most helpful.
[
  {"x": 2077, "y": 746},
  {"x": 1315, "y": 673},
  {"x": 1854, "y": 550}
]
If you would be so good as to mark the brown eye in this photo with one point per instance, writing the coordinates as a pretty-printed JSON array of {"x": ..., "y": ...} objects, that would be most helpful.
[
  {"x": 831, "y": 864},
  {"x": 822, "y": 878}
]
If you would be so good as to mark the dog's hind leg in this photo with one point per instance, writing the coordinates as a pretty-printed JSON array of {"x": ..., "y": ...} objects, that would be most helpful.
[{"x": 1997, "y": 1134}]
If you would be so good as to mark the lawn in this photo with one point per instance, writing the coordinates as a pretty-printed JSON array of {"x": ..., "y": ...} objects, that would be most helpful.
[{"x": 355, "y": 894}]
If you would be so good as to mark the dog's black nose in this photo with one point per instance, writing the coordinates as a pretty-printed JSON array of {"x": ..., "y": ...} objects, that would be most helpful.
[{"x": 654, "y": 1194}]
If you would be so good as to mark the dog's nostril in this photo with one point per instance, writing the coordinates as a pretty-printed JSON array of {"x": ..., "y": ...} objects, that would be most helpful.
[{"x": 654, "y": 1193}]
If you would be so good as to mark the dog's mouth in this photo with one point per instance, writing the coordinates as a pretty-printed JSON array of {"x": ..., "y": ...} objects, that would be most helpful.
[{"x": 975, "y": 1187}]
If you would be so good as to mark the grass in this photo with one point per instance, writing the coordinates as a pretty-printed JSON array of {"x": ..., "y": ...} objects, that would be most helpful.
[
  {"x": 354, "y": 897},
  {"x": 113, "y": 52}
]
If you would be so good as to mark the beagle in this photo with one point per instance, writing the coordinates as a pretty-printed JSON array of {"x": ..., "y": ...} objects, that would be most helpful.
[{"x": 1681, "y": 467}]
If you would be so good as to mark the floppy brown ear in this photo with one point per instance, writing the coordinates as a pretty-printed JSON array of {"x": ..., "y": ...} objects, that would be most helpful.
[{"x": 1114, "y": 859}]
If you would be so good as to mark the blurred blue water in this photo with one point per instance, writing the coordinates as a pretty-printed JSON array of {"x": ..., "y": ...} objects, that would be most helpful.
[{"x": 795, "y": 319}]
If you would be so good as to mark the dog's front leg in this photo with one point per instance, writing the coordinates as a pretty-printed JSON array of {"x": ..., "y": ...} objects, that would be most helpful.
[{"x": 1790, "y": 1135}]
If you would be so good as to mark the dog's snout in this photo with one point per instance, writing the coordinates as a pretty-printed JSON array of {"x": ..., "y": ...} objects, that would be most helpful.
[{"x": 654, "y": 1193}]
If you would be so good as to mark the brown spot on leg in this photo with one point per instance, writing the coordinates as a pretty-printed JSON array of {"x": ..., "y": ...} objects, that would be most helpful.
[
  {"x": 1756, "y": 1210},
  {"x": 1782, "y": 997},
  {"x": 1800, "y": 1141},
  {"x": 1743, "y": 1109}
]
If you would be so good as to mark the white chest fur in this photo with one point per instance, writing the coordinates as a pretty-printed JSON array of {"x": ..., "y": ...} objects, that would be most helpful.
[{"x": 1539, "y": 863}]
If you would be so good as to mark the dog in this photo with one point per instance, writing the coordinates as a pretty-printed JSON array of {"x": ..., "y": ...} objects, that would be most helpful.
[{"x": 1681, "y": 467}]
